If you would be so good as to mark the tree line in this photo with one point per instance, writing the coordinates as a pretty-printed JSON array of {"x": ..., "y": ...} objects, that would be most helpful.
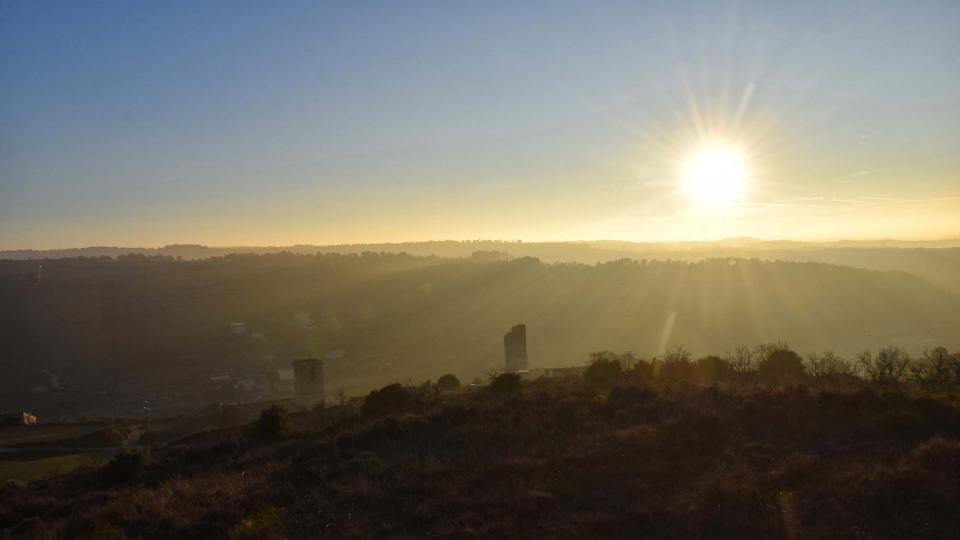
[{"x": 935, "y": 369}]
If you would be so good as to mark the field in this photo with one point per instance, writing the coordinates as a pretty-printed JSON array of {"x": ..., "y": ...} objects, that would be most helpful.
[
  {"x": 29, "y": 453},
  {"x": 25, "y": 469}
]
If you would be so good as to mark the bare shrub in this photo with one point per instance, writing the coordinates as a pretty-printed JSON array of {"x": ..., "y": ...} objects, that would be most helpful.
[
  {"x": 677, "y": 366},
  {"x": 742, "y": 360},
  {"x": 936, "y": 368},
  {"x": 828, "y": 365},
  {"x": 887, "y": 367}
]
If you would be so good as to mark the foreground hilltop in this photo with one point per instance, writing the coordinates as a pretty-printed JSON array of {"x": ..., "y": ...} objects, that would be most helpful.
[{"x": 615, "y": 454}]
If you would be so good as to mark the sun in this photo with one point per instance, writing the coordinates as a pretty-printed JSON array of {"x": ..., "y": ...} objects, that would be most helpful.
[{"x": 715, "y": 175}]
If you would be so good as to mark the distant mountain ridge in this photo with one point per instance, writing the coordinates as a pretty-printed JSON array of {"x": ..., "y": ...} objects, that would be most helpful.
[
  {"x": 936, "y": 261},
  {"x": 448, "y": 248}
]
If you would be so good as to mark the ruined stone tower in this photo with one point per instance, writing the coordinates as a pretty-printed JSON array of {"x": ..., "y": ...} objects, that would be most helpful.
[
  {"x": 308, "y": 381},
  {"x": 515, "y": 348}
]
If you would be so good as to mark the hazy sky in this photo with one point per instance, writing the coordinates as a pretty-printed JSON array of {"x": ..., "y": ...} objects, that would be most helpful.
[{"x": 147, "y": 123}]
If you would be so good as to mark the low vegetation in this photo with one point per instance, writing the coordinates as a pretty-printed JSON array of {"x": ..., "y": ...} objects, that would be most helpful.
[
  {"x": 272, "y": 424},
  {"x": 760, "y": 443}
]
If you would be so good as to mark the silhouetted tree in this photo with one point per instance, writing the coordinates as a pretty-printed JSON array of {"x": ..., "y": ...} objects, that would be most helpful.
[
  {"x": 389, "y": 399},
  {"x": 272, "y": 424},
  {"x": 780, "y": 364},
  {"x": 713, "y": 369},
  {"x": 505, "y": 383},
  {"x": 742, "y": 360},
  {"x": 677, "y": 366},
  {"x": 640, "y": 372},
  {"x": 448, "y": 382},
  {"x": 935, "y": 368},
  {"x": 886, "y": 367},
  {"x": 604, "y": 372},
  {"x": 828, "y": 365}
]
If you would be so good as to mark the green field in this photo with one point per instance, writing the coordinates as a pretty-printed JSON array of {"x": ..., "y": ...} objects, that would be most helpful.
[{"x": 34, "y": 469}]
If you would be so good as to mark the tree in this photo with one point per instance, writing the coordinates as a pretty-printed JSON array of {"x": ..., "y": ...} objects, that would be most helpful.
[
  {"x": 604, "y": 372},
  {"x": 886, "y": 367},
  {"x": 389, "y": 399},
  {"x": 712, "y": 369},
  {"x": 641, "y": 372},
  {"x": 448, "y": 382},
  {"x": 677, "y": 366},
  {"x": 781, "y": 364},
  {"x": 505, "y": 383},
  {"x": 828, "y": 365},
  {"x": 955, "y": 366},
  {"x": 936, "y": 368},
  {"x": 742, "y": 360},
  {"x": 272, "y": 424}
]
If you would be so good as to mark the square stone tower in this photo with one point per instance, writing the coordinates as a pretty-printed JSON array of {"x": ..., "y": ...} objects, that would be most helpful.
[
  {"x": 308, "y": 381},
  {"x": 515, "y": 348}
]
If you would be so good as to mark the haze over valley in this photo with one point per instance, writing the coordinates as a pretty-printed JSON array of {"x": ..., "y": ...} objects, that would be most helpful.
[{"x": 140, "y": 322}]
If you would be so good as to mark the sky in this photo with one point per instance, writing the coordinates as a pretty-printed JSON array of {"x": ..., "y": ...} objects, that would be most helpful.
[{"x": 275, "y": 123}]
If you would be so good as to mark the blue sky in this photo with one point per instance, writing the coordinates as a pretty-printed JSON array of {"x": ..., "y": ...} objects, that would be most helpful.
[{"x": 146, "y": 123}]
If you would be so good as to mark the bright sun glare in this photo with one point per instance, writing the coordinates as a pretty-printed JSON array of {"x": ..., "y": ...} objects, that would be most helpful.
[{"x": 715, "y": 175}]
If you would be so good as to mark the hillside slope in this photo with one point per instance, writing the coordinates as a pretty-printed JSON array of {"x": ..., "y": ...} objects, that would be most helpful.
[
  {"x": 936, "y": 261},
  {"x": 139, "y": 320},
  {"x": 552, "y": 461}
]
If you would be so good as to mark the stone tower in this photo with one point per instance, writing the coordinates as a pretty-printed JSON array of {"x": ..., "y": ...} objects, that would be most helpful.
[
  {"x": 515, "y": 348},
  {"x": 308, "y": 381}
]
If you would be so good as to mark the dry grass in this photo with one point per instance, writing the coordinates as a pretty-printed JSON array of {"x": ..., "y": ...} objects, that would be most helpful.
[{"x": 554, "y": 460}]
